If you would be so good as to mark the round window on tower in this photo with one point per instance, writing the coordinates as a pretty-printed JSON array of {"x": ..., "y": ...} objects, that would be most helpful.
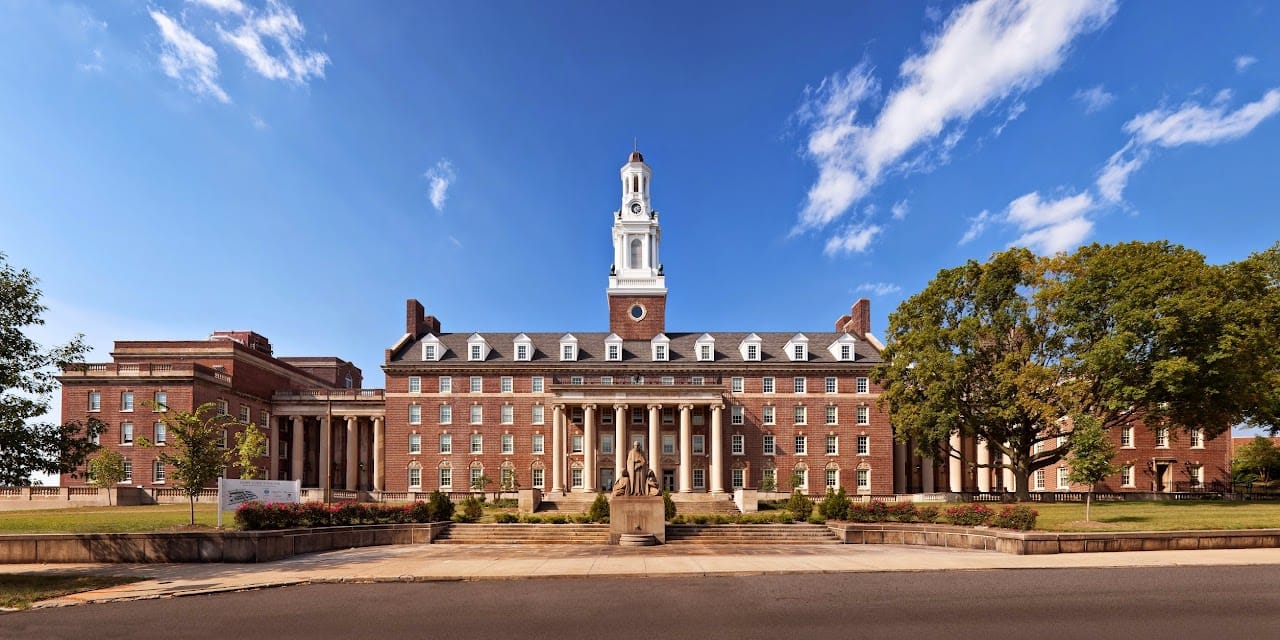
[{"x": 637, "y": 312}]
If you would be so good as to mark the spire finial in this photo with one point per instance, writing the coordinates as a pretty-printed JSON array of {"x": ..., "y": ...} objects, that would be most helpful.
[{"x": 635, "y": 143}]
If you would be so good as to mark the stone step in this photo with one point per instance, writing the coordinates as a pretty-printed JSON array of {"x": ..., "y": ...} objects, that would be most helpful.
[
  {"x": 517, "y": 533},
  {"x": 751, "y": 534}
]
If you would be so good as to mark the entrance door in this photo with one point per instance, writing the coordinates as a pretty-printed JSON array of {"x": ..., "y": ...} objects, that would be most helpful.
[
  {"x": 1162, "y": 485},
  {"x": 606, "y": 479},
  {"x": 669, "y": 480}
]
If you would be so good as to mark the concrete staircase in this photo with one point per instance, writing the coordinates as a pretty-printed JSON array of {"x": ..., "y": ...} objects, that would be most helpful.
[
  {"x": 571, "y": 503},
  {"x": 750, "y": 534},
  {"x": 725, "y": 507},
  {"x": 525, "y": 534}
]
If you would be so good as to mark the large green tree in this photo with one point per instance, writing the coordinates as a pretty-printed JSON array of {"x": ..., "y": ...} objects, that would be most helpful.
[
  {"x": 1135, "y": 332},
  {"x": 29, "y": 445},
  {"x": 1090, "y": 456},
  {"x": 195, "y": 451},
  {"x": 1258, "y": 459}
]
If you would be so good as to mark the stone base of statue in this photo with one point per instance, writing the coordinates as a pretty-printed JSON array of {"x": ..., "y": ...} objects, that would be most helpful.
[{"x": 637, "y": 515}]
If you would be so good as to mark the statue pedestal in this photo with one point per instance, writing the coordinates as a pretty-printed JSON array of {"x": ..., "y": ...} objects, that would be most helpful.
[{"x": 637, "y": 514}]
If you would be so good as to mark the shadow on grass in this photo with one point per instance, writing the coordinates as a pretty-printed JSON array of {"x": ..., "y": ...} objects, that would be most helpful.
[{"x": 1119, "y": 519}]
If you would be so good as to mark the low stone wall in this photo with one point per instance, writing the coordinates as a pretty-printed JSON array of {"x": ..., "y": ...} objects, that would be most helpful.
[
  {"x": 1042, "y": 543},
  {"x": 222, "y": 546}
]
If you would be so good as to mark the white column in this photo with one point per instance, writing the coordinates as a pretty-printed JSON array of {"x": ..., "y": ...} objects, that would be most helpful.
[
  {"x": 589, "y": 448},
  {"x": 954, "y": 475},
  {"x": 353, "y": 462},
  {"x": 984, "y": 459},
  {"x": 273, "y": 449},
  {"x": 655, "y": 441},
  {"x": 620, "y": 445},
  {"x": 1009, "y": 479},
  {"x": 717, "y": 449},
  {"x": 295, "y": 445},
  {"x": 326, "y": 456},
  {"x": 379, "y": 454},
  {"x": 901, "y": 461},
  {"x": 686, "y": 449},
  {"x": 926, "y": 475},
  {"x": 557, "y": 449}
]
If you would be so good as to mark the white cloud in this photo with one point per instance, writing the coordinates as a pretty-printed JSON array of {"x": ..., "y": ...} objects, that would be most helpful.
[
  {"x": 1244, "y": 62},
  {"x": 977, "y": 225},
  {"x": 900, "y": 209},
  {"x": 1192, "y": 123},
  {"x": 1114, "y": 177},
  {"x": 188, "y": 60},
  {"x": 986, "y": 52},
  {"x": 440, "y": 177},
  {"x": 222, "y": 6},
  {"x": 1063, "y": 236},
  {"x": 92, "y": 67},
  {"x": 854, "y": 238},
  {"x": 878, "y": 288},
  {"x": 1016, "y": 110},
  {"x": 278, "y": 25},
  {"x": 1029, "y": 211},
  {"x": 455, "y": 242},
  {"x": 1094, "y": 99},
  {"x": 258, "y": 123}
]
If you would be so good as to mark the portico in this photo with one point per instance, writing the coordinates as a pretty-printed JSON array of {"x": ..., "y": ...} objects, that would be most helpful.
[{"x": 331, "y": 439}]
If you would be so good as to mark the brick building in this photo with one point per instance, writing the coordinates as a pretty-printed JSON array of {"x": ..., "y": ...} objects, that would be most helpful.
[{"x": 714, "y": 411}]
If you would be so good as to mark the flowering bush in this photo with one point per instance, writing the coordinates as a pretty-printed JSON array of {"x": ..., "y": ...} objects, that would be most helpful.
[
  {"x": 903, "y": 512},
  {"x": 257, "y": 516},
  {"x": 970, "y": 515},
  {"x": 1018, "y": 517},
  {"x": 874, "y": 511},
  {"x": 928, "y": 513}
]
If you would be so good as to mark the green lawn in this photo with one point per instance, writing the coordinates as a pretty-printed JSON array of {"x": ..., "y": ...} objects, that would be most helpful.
[
  {"x": 109, "y": 519},
  {"x": 19, "y": 591},
  {"x": 1158, "y": 516}
]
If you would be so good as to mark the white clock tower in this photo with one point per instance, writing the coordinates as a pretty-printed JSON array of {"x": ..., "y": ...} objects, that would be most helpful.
[{"x": 637, "y": 286}]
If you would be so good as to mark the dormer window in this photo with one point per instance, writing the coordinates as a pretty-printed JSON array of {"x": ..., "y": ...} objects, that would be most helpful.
[
  {"x": 568, "y": 348},
  {"x": 750, "y": 348},
  {"x": 613, "y": 348},
  {"x": 798, "y": 348},
  {"x": 432, "y": 349},
  {"x": 706, "y": 347},
  {"x": 661, "y": 348},
  {"x": 842, "y": 348},
  {"x": 477, "y": 348},
  {"x": 523, "y": 348}
]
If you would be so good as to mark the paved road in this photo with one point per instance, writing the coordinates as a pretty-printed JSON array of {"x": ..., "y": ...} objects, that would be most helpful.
[{"x": 1217, "y": 602}]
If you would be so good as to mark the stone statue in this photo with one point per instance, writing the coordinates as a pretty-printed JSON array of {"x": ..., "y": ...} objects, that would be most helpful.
[
  {"x": 636, "y": 475},
  {"x": 622, "y": 485},
  {"x": 651, "y": 487}
]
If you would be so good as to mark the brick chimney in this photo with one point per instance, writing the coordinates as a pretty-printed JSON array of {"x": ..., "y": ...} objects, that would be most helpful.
[
  {"x": 858, "y": 322},
  {"x": 416, "y": 322}
]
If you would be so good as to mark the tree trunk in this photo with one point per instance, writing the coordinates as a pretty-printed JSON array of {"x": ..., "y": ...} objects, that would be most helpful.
[
  {"x": 1088, "y": 502},
  {"x": 192, "y": 500},
  {"x": 1021, "y": 480}
]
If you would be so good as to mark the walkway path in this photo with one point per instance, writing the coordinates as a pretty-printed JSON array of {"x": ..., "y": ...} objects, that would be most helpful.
[{"x": 507, "y": 562}]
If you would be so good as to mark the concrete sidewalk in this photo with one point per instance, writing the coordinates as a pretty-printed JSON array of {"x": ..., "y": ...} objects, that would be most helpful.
[{"x": 410, "y": 563}]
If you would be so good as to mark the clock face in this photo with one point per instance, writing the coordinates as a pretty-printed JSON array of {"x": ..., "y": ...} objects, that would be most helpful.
[{"x": 635, "y": 207}]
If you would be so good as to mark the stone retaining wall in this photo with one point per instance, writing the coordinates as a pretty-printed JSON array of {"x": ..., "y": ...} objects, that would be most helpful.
[
  {"x": 223, "y": 546},
  {"x": 1041, "y": 543}
]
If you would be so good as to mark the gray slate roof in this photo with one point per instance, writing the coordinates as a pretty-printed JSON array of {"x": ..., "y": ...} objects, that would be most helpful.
[{"x": 591, "y": 349}]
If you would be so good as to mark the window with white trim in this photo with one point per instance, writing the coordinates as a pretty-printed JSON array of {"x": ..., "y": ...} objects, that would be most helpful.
[
  {"x": 1062, "y": 478},
  {"x": 415, "y": 477},
  {"x": 606, "y": 443},
  {"x": 659, "y": 353},
  {"x": 668, "y": 415},
  {"x": 536, "y": 414},
  {"x": 539, "y": 446},
  {"x": 737, "y": 444},
  {"x": 699, "y": 478},
  {"x": 161, "y": 401},
  {"x": 864, "y": 479},
  {"x": 415, "y": 443},
  {"x": 801, "y": 445},
  {"x": 446, "y": 414},
  {"x": 606, "y": 379},
  {"x": 446, "y": 443},
  {"x": 507, "y": 414},
  {"x": 575, "y": 443},
  {"x": 1195, "y": 438},
  {"x": 832, "y": 476},
  {"x": 830, "y": 385},
  {"x": 415, "y": 384},
  {"x": 1126, "y": 475},
  {"x": 477, "y": 384},
  {"x": 475, "y": 353},
  {"x": 769, "y": 447},
  {"x": 668, "y": 444},
  {"x": 736, "y": 384},
  {"x": 614, "y": 353},
  {"x": 506, "y": 384},
  {"x": 800, "y": 476},
  {"x": 508, "y": 443},
  {"x": 862, "y": 385},
  {"x": 766, "y": 384},
  {"x": 429, "y": 352},
  {"x": 699, "y": 444},
  {"x": 1196, "y": 476},
  {"x": 846, "y": 352},
  {"x": 1162, "y": 437},
  {"x": 522, "y": 352},
  {"x": 668, "y": 380},
  {"x": 222, "y": 408},
  {"x": 798, "y": 385},
  {"x": 415, "y": 414},
  {"x": 477, "y": 443},
  {"x": 864, "y": 415},
  {"x": 477, "y": 414},
  {"x": 575, "y": 477},
  {"x": 864, "y": 444},
  {"x": 95, "y": 401},
  {"x": 446, "y": 477},
  {"x": 753, "y": 353},
  {"x": 244, "y": 414},
  {"x": 799, "y": 352},
  {"x": 736, "y": 478},
  {"x": 446, "y": 384},
  {"x": 539, "y": 475},
  {"x": 128, "y": 472},
  {"x": 704, "y": 352},
  {"x": 576, "y": 380},
  {"x": 833, "y": 443},
  {"x": 536, "y": 384},
  {"x": 159, "y": 433},
  {"x": 126, "y": 401},
  {"x": 832, "y": 414},
  {"x": 225, "y": 437},
  {"x": 696, "y": 380},
  {"x": 699, "y": 418},
  {"x": 768, "y": 414},
  {"x": 158, "y": 472},
  {"x": 769, "y": 476},
  {"x": 1126, "y": 437},
  {"x": 126, "y": 433},
  {"x": 736, "y": 415},
  {"x": 637, "y": 415},
  {"x": 477, "y": 474},
  {"x": 1038, "y": 482},
  {"x": 801, "y": 414}
]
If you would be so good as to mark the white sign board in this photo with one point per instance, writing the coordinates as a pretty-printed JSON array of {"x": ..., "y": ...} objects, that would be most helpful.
[{"x": 232, "y": 493}]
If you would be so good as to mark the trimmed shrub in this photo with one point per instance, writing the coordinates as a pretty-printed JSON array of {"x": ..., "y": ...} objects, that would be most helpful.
[
  {"x": 817, "y": 519},
  {"x": 1019, "y": 517},
  {"x": 472, "y": 509},
  {"x": 668, "y": 506},
  {"x": 505, "y": 517},
  {"x": 902, "y": 512},
  {"x": 874, "y": 511},
  {"x": 440, "y": 507},
  {"x": 970, "y": 515},
  {"x": 529, "y": 518},
  {"x": 800, "y": 506},
  {"x": 835, "y": 505},
  {"x": 929, "y": 513},
  {"x": 256, "y": 516},
  {"x": 599, "y": 511},
  {"x": 556, "y": 518}
]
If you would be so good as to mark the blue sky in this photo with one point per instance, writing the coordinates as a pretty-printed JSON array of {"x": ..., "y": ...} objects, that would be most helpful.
[{"x": 300, "y": 169}]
